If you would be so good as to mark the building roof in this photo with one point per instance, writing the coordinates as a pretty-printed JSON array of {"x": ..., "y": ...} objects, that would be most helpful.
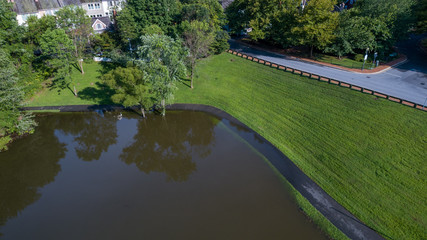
[
  {"x": 105, "y": 20},
  {"x": 33, "y": 6},
  {"x": 25, "y": 6},
  {"x": 226, "y": 3}
]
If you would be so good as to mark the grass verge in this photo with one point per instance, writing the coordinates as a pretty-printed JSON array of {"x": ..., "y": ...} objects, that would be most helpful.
[
  {"x": 343, "y": 62},
  {"x": 367, "y": 153}
]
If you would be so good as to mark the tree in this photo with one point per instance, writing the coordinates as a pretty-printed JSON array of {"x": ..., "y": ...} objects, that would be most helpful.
[
  {"x": 11, "y": 96},
  {"x": 162, "y": 60},
  {"x": 38, "y": 26},
  {"x": 75, "y": 22},
  {"x": 197, "y": 38},
  {"x": 58, "y": 48},
  {"x": 8, "y": 23},
  {"x": 355, "y": 33},
  {"x": 127, "y": 27},
  {"x": 148, "y": 12},
  {"x": 316, "y": 24},
  {"x": 396, "y": 16},
  {"x": 421, "y": 14},
  {"x": 131, "y": 88}
]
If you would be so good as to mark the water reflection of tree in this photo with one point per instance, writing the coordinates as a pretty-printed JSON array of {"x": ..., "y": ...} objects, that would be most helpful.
[
  {"x": 166, "y": 144},
  {"x": 30, "y": 164},
  {"x": 92, "y": 132}
]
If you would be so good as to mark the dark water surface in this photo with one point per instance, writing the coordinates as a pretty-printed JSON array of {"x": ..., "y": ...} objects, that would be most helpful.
[{"x": 186, "y": 176}]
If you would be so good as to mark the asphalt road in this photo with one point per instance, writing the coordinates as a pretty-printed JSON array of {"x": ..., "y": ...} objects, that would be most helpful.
[{"x": 407, "y": 81}]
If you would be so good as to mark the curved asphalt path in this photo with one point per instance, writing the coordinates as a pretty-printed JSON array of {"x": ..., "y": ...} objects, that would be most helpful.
[
  {"x": 332, "y": 210},
  {"x": 407, "y": 81}
]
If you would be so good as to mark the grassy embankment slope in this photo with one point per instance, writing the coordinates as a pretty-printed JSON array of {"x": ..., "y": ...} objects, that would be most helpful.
[{"x": 367, "y": 153}]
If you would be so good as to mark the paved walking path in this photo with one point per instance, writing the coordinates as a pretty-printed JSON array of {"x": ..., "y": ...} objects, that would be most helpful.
[
  {"x": 407, "y": 81},
  {"x": 332, "y": 210}
]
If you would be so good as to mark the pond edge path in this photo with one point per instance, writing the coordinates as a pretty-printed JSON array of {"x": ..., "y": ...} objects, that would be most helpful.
[{"x": 323, "y": 202}]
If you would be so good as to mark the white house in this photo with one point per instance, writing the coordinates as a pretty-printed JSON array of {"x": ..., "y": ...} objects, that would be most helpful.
[{"x": 100, "y": 10}]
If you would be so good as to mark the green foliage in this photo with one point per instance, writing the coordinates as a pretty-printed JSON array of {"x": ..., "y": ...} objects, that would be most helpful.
[
  {"x": 208, "y": 12},
  {"x": 421, "y": 14},
  {"x": 131, "y": 87},
  {"x": 103, "y": 42},
  {"x": 38, "y": 26},
  {"x": 152, "y": 29},
  {"x": 142, "y": 13},
  {"x": 75, "y": 22},
  {"x": 358, "y": 57},
  {"x": 11, "y": 93},
  {"x": 11, "y": 96},
  {"x": 197, "y": 37},
  {"x": 391, "y": 20},
  {"x": 220, "y": 43},
  {"x": 354, "y": 33},
  {"x": 162, "y": 60},
  {"x": 373, "y": 24},
  {"x": 195, "y": 12},
  {"x": 8, "y": 24},
  {"x": 316, "y": 24},
  {"x": 3, "y": 142},
  {"x": 127, "y": 26},
  {"x": 58, "y": 49}
]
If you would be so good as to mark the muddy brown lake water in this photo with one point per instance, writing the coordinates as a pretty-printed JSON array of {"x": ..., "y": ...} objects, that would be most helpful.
[{"x": 189, "y": 175}]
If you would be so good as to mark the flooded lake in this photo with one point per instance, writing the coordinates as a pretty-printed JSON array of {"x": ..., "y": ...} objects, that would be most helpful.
[{"x": 188, "y": 175}]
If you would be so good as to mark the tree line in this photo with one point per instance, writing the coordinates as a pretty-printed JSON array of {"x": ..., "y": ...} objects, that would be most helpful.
[
  {"x": 373, "y": 24},
  {"x": 153, "y": 44}
]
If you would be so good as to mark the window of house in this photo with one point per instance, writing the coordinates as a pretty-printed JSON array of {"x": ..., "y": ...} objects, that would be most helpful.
[
  {"x": 99, "y": 15},
  {"x": 111, "y": 3},
  {"x": 90, "y": 6},
  {"x": 106, "y": 13},
  {"x": 92, "y": 16},
  {"x": 98, "y": 26},
  {"x": 97, "y": 6}
]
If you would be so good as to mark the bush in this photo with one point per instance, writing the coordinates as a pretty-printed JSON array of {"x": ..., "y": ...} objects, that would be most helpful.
[
  {"x": 358, "y": 57},
  {"x": 3, "y": 143}
]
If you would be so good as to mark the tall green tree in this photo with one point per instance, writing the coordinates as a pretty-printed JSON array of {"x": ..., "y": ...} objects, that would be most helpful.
[
  {"x": 8, "y": 23},
  {"x": 162, "y": 60},
  {"x": 197, "y": 37},
  {"x": 316, "y": 24},
  {"x": 58, "y": 49},
  {"x": 38, "y": 26},
  {"x": 356, "y": 33},
  {"x": 132, "y": 88},
  {"x": 211, "y": 13},
  {"x": 75, "y": 22},
  {"x": 394, "y": 15},
  {"x": 127, "y": 27},
  {"x": 11, "y": 96}
]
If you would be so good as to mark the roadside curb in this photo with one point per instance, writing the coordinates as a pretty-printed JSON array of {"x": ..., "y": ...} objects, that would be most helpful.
[{"x": 323, "y": 202}]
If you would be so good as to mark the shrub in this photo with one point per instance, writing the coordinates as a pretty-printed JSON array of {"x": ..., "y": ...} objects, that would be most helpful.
[{"x": 358, "y": 57}]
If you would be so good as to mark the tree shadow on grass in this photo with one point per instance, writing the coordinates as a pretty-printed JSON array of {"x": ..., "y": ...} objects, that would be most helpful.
[
  {"x": 101, "y": 94},
  {"x": 186, "y": 82},
  {"x": 107, "y": 66},
  {"x": 74, "y": 65}
]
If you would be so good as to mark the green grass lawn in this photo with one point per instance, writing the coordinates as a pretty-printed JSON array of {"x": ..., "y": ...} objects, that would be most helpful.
[
  {"x": 367, "y": 153},
  {"x": 344, "y": 62},
  {"x": 88, "y": 85}
]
